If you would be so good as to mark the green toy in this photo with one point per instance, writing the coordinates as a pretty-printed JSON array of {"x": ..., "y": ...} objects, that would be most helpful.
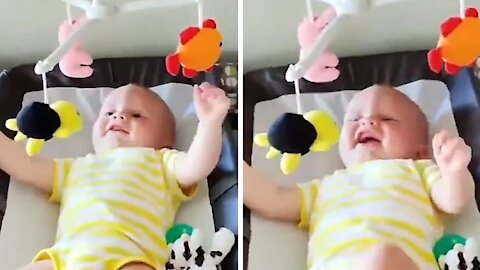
[
  {"x": 176, "y": 231},
  {"x": 446, "y": 243}
]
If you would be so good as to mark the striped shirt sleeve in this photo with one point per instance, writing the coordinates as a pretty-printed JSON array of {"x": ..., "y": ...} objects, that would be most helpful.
[
  {"x": 168, "y": 158},
  {"x": 430, "y": 173},
  {"x": 61, "y": 171},
  {"x": 309, "y": 193}
]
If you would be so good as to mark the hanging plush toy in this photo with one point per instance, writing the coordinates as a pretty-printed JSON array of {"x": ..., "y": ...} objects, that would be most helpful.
[
  {"x": 294, "y": 135},
  {"x": 459, "y": 45},
  {"x": 456, "y": 252},
  {"x": 189, "y": 252},
  {"x": 76, "y": 62},
  {"x": 323, "y": 69},
  {"x": 199, "y": 50},
  {"x": 40, "y": 122}
]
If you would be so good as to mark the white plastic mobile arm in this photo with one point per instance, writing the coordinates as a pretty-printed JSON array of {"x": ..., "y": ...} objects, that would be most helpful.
[
  {"x": 83, "y": 4},
  {"x": 150, "y": 4},
  {"x": 95, "y": 11}
]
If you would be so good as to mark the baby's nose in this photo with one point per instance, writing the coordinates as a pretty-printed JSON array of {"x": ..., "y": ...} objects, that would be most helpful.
[
  {"x": 368, "y": 121},
  {"x": 119, "y": 116}
]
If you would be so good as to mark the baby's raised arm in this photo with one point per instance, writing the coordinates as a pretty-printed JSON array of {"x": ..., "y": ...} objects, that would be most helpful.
[
  {"x": 455, "y": 188},
  {"x": 204, "y": 153},
  {"x": 268, "y": 199},
  {"x": 35, "y": 171}
]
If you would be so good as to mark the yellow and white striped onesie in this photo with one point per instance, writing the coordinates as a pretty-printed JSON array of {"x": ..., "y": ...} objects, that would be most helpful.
[
  {"x": 373, "y": 202},
  {"x": 115, "y": 209}
]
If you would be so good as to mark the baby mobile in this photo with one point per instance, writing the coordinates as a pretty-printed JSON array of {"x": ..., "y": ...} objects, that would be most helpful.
[
  {"x": 38, "y": 122},
  {"x": 293, "y": 135}
]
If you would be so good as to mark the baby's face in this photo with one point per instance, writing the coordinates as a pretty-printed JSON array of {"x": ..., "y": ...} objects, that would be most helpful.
[
  {"x": 382, "y": 123},
  {"x": 133, "y": 117}
]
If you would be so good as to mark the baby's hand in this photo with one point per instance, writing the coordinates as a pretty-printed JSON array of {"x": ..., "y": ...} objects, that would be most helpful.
[
  {"x": 451, "y": 153},
  {"x": 211, "y": 103}
]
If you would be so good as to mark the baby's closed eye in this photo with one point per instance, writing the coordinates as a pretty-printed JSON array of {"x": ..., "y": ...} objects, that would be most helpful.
[
  {"x": 388, "y": 118},
  {"x": 353, "y": 119}
]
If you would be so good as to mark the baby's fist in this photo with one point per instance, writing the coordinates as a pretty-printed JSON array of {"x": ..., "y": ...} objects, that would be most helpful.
[
  {"x": 211, "y": 103},
  {"x": 451, "y": 153}
]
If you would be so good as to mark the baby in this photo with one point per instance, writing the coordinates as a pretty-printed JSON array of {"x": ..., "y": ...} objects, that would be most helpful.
[
  {"x": 117, "y": 204},
  {"x": 385, "y": 209}
]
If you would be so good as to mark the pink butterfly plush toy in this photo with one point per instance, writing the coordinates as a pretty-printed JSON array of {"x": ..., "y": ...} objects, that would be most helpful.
[
  {"x": 76, "y": 62},
  {"x": 324, "y": 67}
]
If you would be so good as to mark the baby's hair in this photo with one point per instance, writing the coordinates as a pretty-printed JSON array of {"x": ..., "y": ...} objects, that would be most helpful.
[
  {"x": 153, "y": 94},
  {"x": 149, "y": 90}
]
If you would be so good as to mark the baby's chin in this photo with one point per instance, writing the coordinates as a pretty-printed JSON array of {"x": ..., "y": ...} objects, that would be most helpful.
[
  {"x": 359, "y": 158},
  {"x": 359, "y": 154},
  {"x": 363, "y": 155},
  {"x": 107, "y": 143}
]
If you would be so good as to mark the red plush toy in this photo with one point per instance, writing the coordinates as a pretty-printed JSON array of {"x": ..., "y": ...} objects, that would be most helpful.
[
  {"x": 459, "y": 44},
  {"x": 199, "y": 50}
]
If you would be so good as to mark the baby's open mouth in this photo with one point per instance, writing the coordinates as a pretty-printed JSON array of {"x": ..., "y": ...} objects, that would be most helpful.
[
  {"x": 366, "y": 138},
  {"x": 117, "y": 128}
]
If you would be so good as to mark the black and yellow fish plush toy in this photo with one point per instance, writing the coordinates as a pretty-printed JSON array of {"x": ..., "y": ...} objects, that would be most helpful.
[
  {"x": 294, "y": 135},
  {"x": 39, "y": 122}
]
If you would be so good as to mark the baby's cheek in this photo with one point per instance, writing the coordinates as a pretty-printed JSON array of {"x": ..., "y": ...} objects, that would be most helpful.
[
  {"x": 402, "y": 140},
  {"x": 96, "y": 135},
  {"x": 347, "y": 135},
  {"x": 99, "y": 127},
  {"x": 147, "y": 134}
]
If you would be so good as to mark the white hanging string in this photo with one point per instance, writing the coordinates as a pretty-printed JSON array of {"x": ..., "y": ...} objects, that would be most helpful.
[
  {"x": 310, "y": 10},
  {"x": 297, "y": 92},
  {"x": 297, "y": 82},
  {"x": 44, "y": 81},
  {"x": 462, "y": 9},
  {"x": 297, "y": 96},
  {"x": 200, "y": 13},
  {"x": 69, "y": 14}
]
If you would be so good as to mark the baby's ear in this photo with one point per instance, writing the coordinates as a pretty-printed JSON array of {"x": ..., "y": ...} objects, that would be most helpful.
[{"x": 424, "y": 152}]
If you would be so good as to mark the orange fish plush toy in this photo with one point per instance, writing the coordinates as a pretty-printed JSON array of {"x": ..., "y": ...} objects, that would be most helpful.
[
  {"x": 459, "y": 44},
  {"x": 199, "y": 50}
]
